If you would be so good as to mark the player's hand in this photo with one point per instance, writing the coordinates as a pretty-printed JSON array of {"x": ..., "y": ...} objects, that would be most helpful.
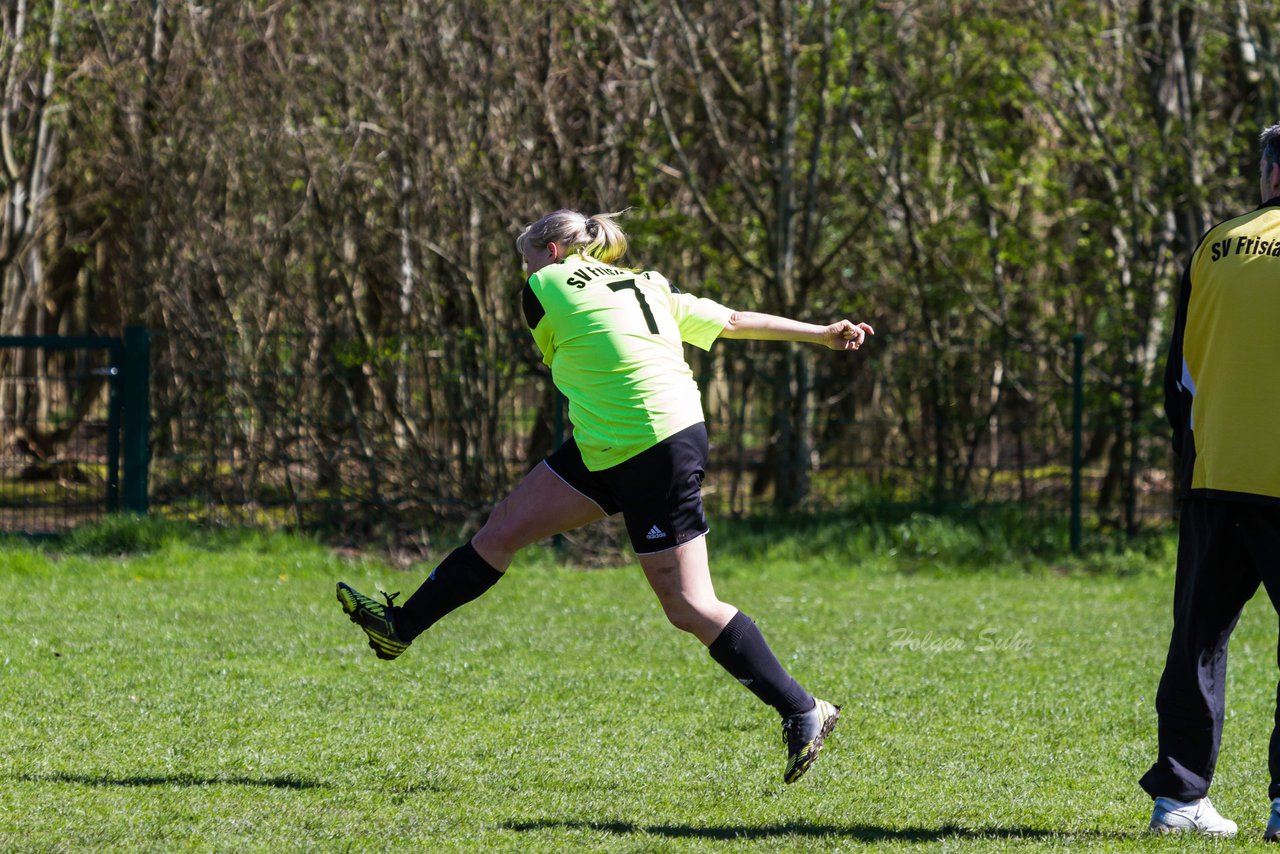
[{"x": 847, "y": 335}]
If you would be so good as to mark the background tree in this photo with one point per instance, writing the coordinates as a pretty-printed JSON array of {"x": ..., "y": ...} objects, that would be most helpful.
[{"x": 313, "y": 206}]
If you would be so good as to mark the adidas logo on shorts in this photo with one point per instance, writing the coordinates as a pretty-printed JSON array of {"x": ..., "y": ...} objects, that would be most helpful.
[{"x": 655, "y": 533}]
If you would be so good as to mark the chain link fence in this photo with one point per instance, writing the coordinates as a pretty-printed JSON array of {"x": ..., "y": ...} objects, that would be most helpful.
[
  {"x": 399, "y": 436},
  {"x": 72, "y": 418}
]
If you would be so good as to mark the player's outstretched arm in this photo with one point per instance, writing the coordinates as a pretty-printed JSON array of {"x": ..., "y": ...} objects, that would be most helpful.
[{"x": 753, "y": 325}]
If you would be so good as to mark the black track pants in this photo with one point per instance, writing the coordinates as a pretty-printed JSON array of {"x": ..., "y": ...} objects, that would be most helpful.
[{"x": 1225, "y": 549}]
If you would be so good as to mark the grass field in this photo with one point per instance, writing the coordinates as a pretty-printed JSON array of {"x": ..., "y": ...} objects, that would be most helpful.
[{"x": 210, "y": 695}]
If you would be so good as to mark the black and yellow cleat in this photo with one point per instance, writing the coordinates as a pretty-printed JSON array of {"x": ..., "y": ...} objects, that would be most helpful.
[
  {"x": 376, "y": 620},
  {"x": 804, "y": 735}
]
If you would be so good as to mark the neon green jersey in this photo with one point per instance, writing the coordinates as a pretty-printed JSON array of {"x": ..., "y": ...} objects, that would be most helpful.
[{"x": 613, "y": 340}]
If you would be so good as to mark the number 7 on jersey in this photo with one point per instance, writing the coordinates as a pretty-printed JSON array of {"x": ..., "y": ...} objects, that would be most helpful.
[{"x": 630, "y": 285}]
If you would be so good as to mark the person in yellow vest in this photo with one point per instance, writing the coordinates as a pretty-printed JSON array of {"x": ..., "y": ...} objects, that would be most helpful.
[
  {"x": 613, "y": 338},
  {"x": 1222, "y": 397}
]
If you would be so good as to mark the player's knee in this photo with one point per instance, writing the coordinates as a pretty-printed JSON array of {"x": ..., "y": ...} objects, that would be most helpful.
[
  {"x": 685, "y": 615},
  {"x": 682, "y": 620},
  {"x": 498, "y": 532}
]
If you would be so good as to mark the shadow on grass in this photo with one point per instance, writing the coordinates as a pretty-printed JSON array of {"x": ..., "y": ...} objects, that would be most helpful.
[
  {"x": 860, "y": 832},
  {"x": 183, "y": 780}
]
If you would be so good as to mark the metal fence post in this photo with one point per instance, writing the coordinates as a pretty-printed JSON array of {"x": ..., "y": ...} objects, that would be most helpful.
[
  {"x": 136, "y": 394},
  {"x": 558, "y": 429},
  {"x": 1077, "y": 438},
  {"x": 114, "y": 407}
]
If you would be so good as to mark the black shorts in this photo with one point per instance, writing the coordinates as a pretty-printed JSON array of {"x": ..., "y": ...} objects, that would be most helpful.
[{"x": 658, "y": 491}]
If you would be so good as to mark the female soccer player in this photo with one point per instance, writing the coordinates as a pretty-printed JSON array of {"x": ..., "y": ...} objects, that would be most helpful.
[{"x": 613, "y": 339}]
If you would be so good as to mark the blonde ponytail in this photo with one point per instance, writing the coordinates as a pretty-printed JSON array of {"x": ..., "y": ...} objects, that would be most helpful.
[{"x": 598, "y": 237}]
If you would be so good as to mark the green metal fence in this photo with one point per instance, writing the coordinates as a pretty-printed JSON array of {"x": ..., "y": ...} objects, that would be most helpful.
[
  {"x": 74, "y": 415},
  {"x": 398, "y": 436}
]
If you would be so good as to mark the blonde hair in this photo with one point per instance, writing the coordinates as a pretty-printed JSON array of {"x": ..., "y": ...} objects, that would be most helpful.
[{"x": 596, "y": 236}]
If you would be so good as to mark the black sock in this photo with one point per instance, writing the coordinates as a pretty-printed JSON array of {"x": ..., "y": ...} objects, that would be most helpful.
[
  {"x": 743, "y": 651},
  {"x": 460, "y": 577}
]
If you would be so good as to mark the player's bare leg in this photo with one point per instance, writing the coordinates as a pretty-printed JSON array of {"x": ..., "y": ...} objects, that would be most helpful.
[
  {"x": 540, "y": 506},
  {"x": 681, "y": 578}
]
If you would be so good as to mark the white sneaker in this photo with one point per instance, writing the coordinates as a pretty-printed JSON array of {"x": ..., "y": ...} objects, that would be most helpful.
[
  {"x": 1272, "y": 833},
  {"x": 1170, "y": 816}
]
